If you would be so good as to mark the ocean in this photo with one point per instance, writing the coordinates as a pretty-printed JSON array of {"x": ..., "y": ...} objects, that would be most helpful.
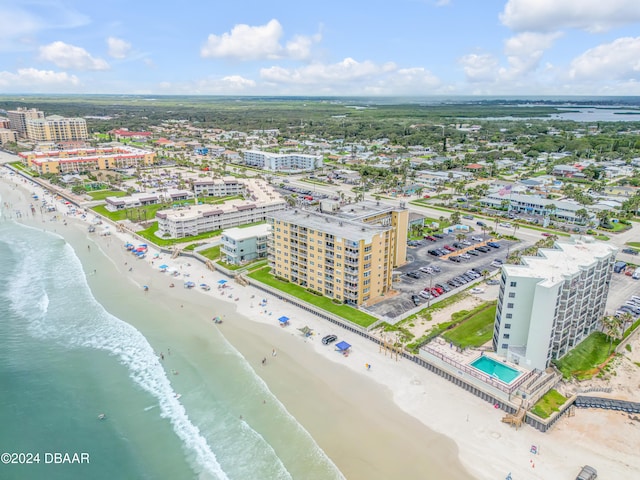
[{"x": 65, "y": 360}]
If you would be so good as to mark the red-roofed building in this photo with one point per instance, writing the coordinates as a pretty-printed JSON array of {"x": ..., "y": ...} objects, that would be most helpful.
[
  {"x": 474, "y": 166},
  {"x": 127, "y": 135}
]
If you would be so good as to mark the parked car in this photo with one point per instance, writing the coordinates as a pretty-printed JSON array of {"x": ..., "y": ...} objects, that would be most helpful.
[
  {"x": 450, "y": 248},
  {"x": 438, "y": 235},
  {"x": 424, "y": 294},
  {"x": 630, "y": 251},
  {"x": 413, "y": 274},
  {"x": 477, "y": 239},
  {"x": 436, "y": 268},
  {"x": 468, "y": 217},
  {"x": 444, "y": 287},
  {"x": 431, "y": 238},
  {"x": 455, "y": 259},
  {"x": 435, "y": 253},
  {"x": 587, "y": 473},
  {"x": 473, "y": 252},
  {"x": 481, "y": 224},
  {"x": 416, "y": 299},
  {"x": 465, "y": 256},
  {"x": 493, "y": 282},
  {"x": 493, "y": 244},
  {"x": 329, "y": 339}
]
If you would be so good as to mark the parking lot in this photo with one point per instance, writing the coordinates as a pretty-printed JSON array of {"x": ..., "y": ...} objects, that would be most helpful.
[
  {"x": 443, "y": 271},
  {"x": 621, "y": 289}
]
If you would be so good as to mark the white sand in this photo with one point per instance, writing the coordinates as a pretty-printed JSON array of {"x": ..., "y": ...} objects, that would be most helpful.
[{"x": 487, "y": 447}]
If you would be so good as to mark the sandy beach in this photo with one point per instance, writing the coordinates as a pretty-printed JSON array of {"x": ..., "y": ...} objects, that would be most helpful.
[{"x": 394, "y": 420}]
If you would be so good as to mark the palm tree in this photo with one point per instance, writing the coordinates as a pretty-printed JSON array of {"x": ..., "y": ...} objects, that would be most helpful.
[
  {"x": 485, "y": 273},
  {"x": 603, "y": 216},
  {"x": 460, "y": 237},
  {"x": 484, "y": 231},
  {"x": 626, "y": 318},
  {"x": 515, "y": 227},
  {"x": 612, "y": 327},
  {"x": 551, "y": 208},
  {"x": 582, "y": 215}
]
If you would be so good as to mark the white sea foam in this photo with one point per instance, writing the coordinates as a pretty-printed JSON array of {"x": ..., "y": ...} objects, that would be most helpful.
[{"x": 84, "y": 322}]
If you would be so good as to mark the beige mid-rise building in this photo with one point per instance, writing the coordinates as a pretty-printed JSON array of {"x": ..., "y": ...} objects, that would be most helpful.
[
  {"x": 7, "y": 136},
  {"x": 347, "y": 259},
  {"x": 18, "y": 119},
  {"x": 56, "y": 128}
]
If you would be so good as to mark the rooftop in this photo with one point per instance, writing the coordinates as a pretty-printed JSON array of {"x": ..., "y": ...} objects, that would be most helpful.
[
  {"x": 237, "y": 233},
  {"x": 339, "y": 227},
  {"x": 568, "y": 258}
]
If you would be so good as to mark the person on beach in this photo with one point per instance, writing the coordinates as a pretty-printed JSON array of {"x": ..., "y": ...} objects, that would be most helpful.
[
  {"x": 274, "y": 353},
  {"x": 264, "y": 361}
]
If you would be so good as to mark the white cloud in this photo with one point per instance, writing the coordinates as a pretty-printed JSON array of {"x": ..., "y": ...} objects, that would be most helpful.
[
  {"x": 342, "y": 72},
  {"x": 479, "y": 67},
  {"x": 118, "y": 48},
  {"x": 17, "y": 21},
  {"x": 349, "y": 77},
  {"x": 211, "y": 86},
  {"x": 33, "y": 80},
  {"x": 551, "y": 15},
  {"x": 618, "y": 60},
  {"x": 525, "y": 50},
  {"x": 246, "y": 42},
  {"x": 64, "y": 55}
]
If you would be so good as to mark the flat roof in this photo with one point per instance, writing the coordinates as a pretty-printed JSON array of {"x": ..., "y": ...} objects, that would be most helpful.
[
  {"x": 365, "y": 209},
  {"x": 339, "y": 227},
  {"x": 566, "y": 260},
  {"x": 248, "y": 232}
]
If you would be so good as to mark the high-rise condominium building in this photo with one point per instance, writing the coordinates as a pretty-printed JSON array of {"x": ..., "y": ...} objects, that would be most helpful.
[
  {"x": 346, "y": 256},
  {"x": 552, "y": 301},
  {"x": 56, "y": 128},
  {"x": 18, "y": 119}
]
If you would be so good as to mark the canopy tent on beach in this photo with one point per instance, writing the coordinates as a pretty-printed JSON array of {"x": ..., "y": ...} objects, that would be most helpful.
[
  {"x": 283, "y": 321},
  {"x": 343, "y": 346}
]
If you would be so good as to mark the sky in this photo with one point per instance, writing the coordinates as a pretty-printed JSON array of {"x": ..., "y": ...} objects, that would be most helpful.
[{"x": 327, "y": 48}]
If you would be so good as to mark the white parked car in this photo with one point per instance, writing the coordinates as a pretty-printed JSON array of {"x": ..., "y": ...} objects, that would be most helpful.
[{"x": 477, "y": 239}]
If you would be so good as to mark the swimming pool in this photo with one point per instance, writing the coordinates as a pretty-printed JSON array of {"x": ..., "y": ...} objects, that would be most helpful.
[{"x": 496, "y": 369}]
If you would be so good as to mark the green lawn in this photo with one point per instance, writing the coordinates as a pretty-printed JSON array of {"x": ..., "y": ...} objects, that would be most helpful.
[
  {"x": 634, "y": 244},
  {"x": 549, "y": 403},
  {"x": 147, "y": 212},
  {"x": 251, "y": 224},
  {"x": 581, "y": 362},
  {"x": 212, "y": 253},
  {"x": 350, "y": 314},
  {"x": 475, "y": 327},
  {"x": 150, "y": 234},
  {"x": 102, "y": 194}
]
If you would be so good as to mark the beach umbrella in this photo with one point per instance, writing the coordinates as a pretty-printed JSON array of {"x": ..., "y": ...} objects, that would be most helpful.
[
  {"x": 283, "y": 319},
  {"x": 221, "y": 282},
  {"x": 163, "y": 267}
]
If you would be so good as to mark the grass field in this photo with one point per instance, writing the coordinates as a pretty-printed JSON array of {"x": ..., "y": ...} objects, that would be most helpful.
[
  {"x": 583, "y": 360},
  {"x": 150, "y": 234},
  {"x": 350, "y": 314},
  {"x": 475, "y": 327},
  {"x": 549, "y": 403},
  {"x": 102, "y": 194}
]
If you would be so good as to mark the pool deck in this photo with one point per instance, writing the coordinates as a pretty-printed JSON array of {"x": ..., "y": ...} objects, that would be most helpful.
[{"x": 459, "y": 363}]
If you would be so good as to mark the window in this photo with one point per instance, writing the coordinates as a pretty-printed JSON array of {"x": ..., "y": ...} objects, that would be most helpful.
[
  {"x": 505, "y": 345},
  {"x": 509, "y": 315},
  {"x": 507, "y": 326},
  {"x": 512, "y": 294},
  {"x": 509, "y": 305},
  {"x": 513, "y": 284},
  {"x": 505, "y": 336}
]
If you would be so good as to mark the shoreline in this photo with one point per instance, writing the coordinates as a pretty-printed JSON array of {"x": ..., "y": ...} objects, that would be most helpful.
[
  {"x": 362, "y": 436},
  {"x": 395, "y": 409}
]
